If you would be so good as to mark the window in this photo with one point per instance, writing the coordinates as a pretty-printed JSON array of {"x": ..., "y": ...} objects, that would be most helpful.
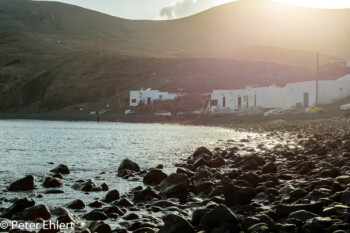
[
  {"x": 160, "y": 97},
  {"x": 214, "y": 103},
  {"x": 223, "y": 102},
  {"x": 133, "y": 101}
]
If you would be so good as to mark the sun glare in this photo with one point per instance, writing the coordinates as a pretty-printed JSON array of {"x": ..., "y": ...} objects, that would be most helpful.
[
  {"x": 317, "y": 3},
  {"x": 329, "y": 4},
  {"x": 220, "y": 2}
]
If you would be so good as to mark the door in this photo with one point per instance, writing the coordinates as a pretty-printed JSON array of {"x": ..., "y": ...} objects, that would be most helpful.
[
  {"x": 239, "y": 102},
  {"x": 306, "y": 99},
  {"x": 223, "y": 102},
  {"x": 254, "y": 100},
  {"x": 148, "y": 101}
]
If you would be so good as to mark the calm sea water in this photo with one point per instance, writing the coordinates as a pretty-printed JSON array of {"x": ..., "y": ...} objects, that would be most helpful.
[{"x": 94, "y": 151}]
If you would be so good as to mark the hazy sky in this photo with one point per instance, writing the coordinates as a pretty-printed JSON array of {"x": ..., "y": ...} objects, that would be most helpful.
[{"x": 170, "y": 9}]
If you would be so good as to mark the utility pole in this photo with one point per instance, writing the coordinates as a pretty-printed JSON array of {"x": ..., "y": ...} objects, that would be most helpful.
[
  {"x": 317, "y": 81},
  {"x": 120, "y": 103}
]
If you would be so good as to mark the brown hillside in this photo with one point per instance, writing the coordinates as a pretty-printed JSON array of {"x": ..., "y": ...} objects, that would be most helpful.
[{"x": 54, "y": 55}]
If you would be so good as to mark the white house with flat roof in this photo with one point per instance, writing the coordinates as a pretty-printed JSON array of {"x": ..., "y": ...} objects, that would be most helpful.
[
  {"x": 249, "y": 98},
  {"x": 329, "y": 91},
  {"x": 300, "y": 94},
  {"x": 148, "y": 96}
]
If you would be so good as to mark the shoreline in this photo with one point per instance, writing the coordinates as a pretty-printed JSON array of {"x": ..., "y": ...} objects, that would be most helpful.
[{"x": 256, "y": 123}]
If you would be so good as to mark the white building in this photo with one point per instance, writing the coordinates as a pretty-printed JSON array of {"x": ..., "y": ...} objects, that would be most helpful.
[
  {"x": 302, "y": 94},
  {"x": 148, "y": 96},
  {"x": 249, "y": 98},
  {"x": 329, "y": 91}
]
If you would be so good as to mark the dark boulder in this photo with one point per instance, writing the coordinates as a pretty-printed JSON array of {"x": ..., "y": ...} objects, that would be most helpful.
[
  {"x": 145, "y": 230},
  {"x": 154, "y": 177},
  {"x": 62, "y": 168},
  {"x": 219, "y": 215},
  {"x": 202, "y": 160},
  {"x": 333, "y": 172},
  {"x": 203, "y": 187},
  {"x": 175, "y": 185},
  {"x": 345, "y": 197},
  {"x": 131, "y": 216},
  {"x": 24, "y": 184},
  {"x": 197, "y": 215},
  {"x": 317, "y": 224},
  {"x": 96, "y": 204},
  {"x": 185, "y": 171},
  {"x": 250, "y": 164},
  {"x": 98, "y": 227},
  {"x": 113, "y": 210},
  {"x": 95, "y": 216},
  {"x": 58, "y": 175},
  {"x": 302, "y": 215},
  {"x": 175, "y": 224},
  {"x": 270, "y": 168},
  {"x": 298, "y": 193},
  {"x": 123, "y": 203},
  {"x": 76, "y": 205},
  {"x": 125, "y": 173},
  {"x": 34, "y": 212},
  {"x": 236, "y": 195},
  {"x": 165, "y": 204},
  {"x": 272, "y": 192},
  {"x": 202, "y": 172},
  {"x": 85, "y": 186},
  {"x": 283, "y": 210},
  {"x": 17, "y": 207},
  {"x": 112, "y": 196},
  {"x": 218, "y": 162},
  {"x": 104, "y": 187},
  {"x": 251, "y": 178},
  {"x": 67, "y": 218},
  {"x": 52, "y": 182},
  {"x": 249, "y": 221},
  {"x": 202, "y": 150},
  {"x": 53, "y": 191},
  {"x": 137, "y": 225},
  {"x": 146, "y": 195},
  {"x": 129, "y": 165},
  {"x": 59, "y": 211},
  {"x": 259, "y": 228}
]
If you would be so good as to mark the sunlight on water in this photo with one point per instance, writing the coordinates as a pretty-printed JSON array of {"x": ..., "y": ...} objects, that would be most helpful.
[{"x": 94, "y": 151}]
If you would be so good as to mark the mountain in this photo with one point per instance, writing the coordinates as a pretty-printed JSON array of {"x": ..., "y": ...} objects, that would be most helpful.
[
  {"x": 54, "y": 55},
  {"x": 216, "y": 32}
]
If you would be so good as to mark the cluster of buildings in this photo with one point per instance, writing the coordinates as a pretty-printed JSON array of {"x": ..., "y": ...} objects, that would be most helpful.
[
  {"x": 293, "y": 95},
  {"x": 299, "y": 94}
]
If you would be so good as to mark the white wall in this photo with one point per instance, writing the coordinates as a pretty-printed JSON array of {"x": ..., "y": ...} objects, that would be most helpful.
[
  {"x": 136, "y": 97},
  {"x": 329, "y": 91},
  {"x": 264, "y": 97},
  {"x": 274, "y": 97}
]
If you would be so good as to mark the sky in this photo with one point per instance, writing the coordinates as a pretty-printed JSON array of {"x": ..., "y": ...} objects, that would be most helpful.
[{"x": 172, "y": 9}]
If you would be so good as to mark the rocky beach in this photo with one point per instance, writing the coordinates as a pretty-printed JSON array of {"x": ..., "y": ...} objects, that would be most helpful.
[{"x": 294, "y": 179}]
